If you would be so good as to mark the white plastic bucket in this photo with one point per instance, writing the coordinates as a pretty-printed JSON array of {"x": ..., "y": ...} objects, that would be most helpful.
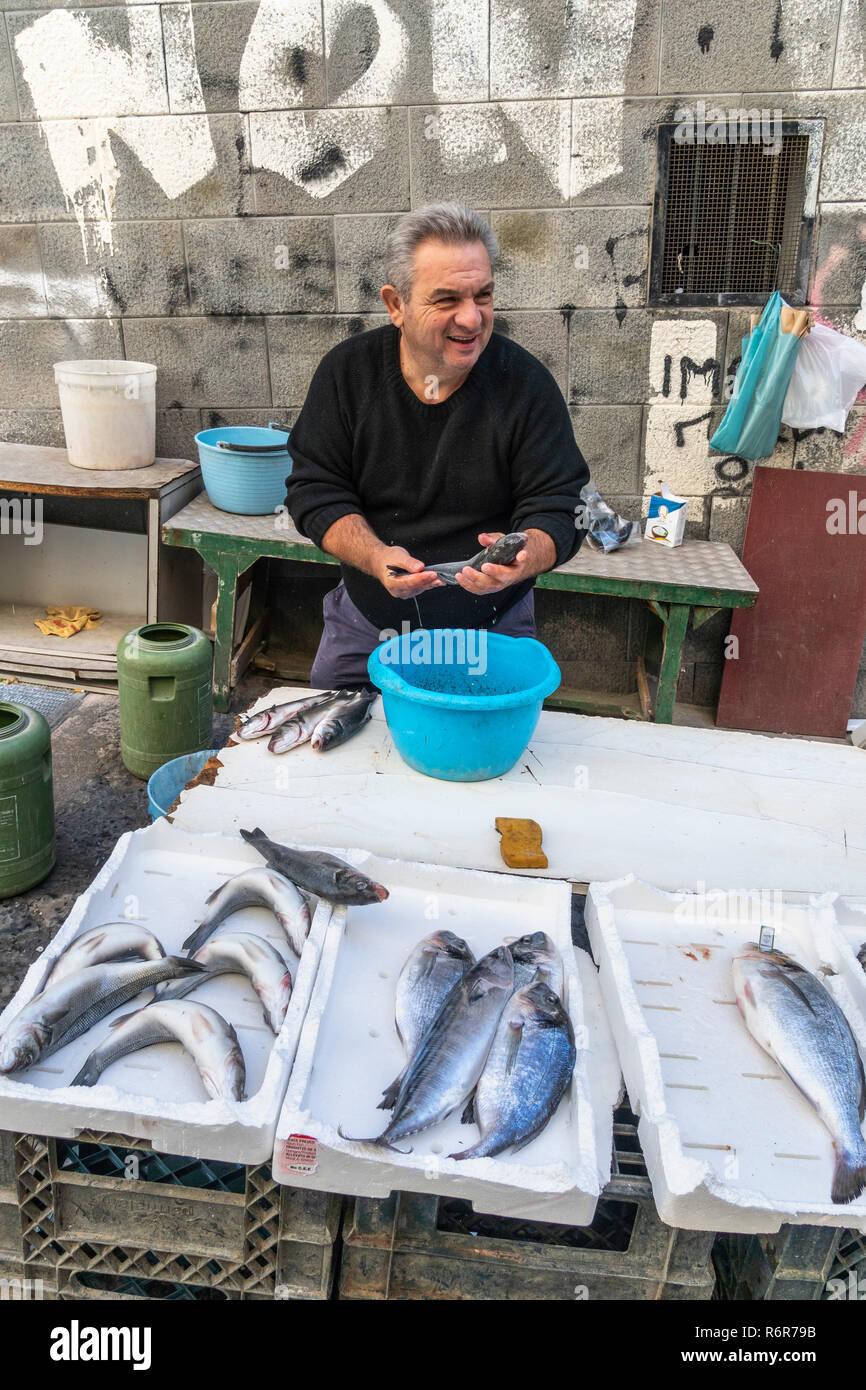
[{"x": 109, "y": 413}]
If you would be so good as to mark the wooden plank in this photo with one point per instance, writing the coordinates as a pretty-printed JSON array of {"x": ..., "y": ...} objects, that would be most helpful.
[
  {"x": 21, "y": 639},
  {"x": 35, "y": 468},
  {"x": 247, "y": 649},
  {"x": 798, "y": 652}
]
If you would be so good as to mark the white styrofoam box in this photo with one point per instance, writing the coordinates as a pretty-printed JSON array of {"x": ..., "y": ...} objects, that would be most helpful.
[
  {"x": 676, "y": 806},
  {"x": 349, "y": 1052},
  {"x": 160, "y": 877},
  {"x": 730, "y": 1143}
]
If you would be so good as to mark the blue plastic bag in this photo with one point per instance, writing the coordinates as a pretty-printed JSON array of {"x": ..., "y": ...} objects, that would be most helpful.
[{"x": 751, "y": 423}]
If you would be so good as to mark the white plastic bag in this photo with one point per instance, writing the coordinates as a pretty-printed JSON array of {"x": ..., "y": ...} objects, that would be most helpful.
[{"x": 829, "y": 371}]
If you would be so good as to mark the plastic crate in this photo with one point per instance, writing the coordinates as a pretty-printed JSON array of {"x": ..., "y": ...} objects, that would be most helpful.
[
  {"x": 416, "y": 1247},
  {"x": 113, "y": 1209},
  {"x": 849, "y": 1267},
  {"x": 793, "y": 1264}
]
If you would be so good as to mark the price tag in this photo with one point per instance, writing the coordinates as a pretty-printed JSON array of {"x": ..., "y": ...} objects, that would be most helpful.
[
  {"x": 300, "y": 1154},
  {"x": 766, "y": 939}
]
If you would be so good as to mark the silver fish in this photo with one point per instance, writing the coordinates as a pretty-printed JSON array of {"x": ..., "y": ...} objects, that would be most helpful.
[
  {"x": 791, "y": 1015},
  {"x": 501, "y": 552},
  {"x": 256, "y": 888},
  {"x": 242, "y": 953},
  {"x": 452, "y": 1053},
  {"x": 209, "y": 1039},
  {"x": 62, "y": 1013},
  {"x": 110, "y": 941},
  {"x": 315, "y": 872},
  {"x": 266, "y": 721},
  {"x": 342, "y": 719},
  {"x": 529, "y": 1066},
  {"x": 426, "y": 980},
  {"x": 536, "y": 958},
  {"x": 301, "y": 727}
]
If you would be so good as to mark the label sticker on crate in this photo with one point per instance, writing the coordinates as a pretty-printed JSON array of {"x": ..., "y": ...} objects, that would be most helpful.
[{"x": 300, "y": 1154}]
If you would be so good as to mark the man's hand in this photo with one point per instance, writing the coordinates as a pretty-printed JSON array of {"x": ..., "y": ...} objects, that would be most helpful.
[
  {"x": 404, "y": 585},
  {"x": 538, "y": 555}
]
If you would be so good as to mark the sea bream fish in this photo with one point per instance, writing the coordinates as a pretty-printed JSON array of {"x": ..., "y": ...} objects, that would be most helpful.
[
  {"x": 342, "y": 718},
  {"x": 323, "y": 875},
  {"x": 502, "y": 552},
  {"x": 536, "y": 958},
  {"x": 267, "y": 721},
  {"x": 258, "y": 887},
  {"x": 62, "y": 1013},
  {"x": 242, "y": 953},
  {"x": 428, "y": 977},
  {"x": 794, "y": 1018},
  {"x": 529, "y": 1066},
  {"x": 450, "y": 1057},
  {"x": 208, "y": 1038},
  {"x": 110, "y": 941}
]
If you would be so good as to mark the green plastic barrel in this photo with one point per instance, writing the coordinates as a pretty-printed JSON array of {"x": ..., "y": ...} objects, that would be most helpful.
[
  {"x": 166, "y": 696},
  {"x": 26, "y": 799}
]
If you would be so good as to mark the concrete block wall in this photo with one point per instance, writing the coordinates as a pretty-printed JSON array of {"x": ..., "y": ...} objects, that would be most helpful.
[{"x": 208, "y": 186}]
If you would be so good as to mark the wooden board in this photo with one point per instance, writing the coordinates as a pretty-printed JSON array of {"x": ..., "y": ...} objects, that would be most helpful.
[
  {"x": 798, "y": 650},
  {"x": 23, "y": 645},
  {"x": 35, "y": 468}
]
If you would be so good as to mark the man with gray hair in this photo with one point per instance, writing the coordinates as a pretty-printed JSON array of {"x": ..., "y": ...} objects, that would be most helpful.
[{"x": 425, "y": 440}]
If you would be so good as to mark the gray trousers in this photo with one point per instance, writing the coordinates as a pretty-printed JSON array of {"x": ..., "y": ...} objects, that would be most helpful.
[{"x": 348, "y": 638}]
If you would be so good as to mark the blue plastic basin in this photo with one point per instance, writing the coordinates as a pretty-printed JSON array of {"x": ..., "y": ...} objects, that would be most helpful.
[
  {"x": 462, "y": 705},
  {"x": 165, "y": 785},
  {"x": 247, "y": 483}
]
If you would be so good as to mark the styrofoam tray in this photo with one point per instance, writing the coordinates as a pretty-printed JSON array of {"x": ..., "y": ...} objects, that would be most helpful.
[
  {"x": 160, "y": 877},
  {"x": 349, "y": 1051},
  {"x": 730, "y": 1144}
]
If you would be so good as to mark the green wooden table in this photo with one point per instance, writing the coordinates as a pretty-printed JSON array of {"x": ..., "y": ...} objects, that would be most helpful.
[{"x": 700, "y": 577}]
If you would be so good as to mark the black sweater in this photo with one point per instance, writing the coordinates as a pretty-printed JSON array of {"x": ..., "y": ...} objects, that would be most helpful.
[{"x": 497, "y": 455}]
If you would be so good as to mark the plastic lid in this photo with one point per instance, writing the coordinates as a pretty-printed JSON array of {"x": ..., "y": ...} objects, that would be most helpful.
[{"x": 106, "y": 367}]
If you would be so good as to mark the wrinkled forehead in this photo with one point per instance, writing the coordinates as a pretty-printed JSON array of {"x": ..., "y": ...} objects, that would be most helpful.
[{"x": 462, "y": 267}]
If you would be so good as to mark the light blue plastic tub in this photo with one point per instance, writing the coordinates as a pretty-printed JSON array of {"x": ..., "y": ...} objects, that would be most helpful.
[
  {"x": 166, "y": 784},
  {"x": 463, "y": 705},
  {"x": 244, "y": 468}
]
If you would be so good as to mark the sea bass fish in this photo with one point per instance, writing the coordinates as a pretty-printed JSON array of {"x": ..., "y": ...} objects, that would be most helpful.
[
  {"x": 793, "y": 1017},
  {"x": 529, "y": 1066},
  {"x": 321, "y": 874},
  {"x": 451, "y": 1055},
  {"x": 342, "y": 719},
  {"x": 536, "y": 958},
  {"x": 110, "y": 941},
  {"x": 266, "y": 721},
  {"x": 502, "y": 552},
  {"x": 300, "y": 729},
  {"x": 242, "y": 953},
  {"x": 62, "y": 1013},
  {"x": 256, "y": 888},
  {"x": 428, "y": 977},
  {"x": 207, "y": 1037}
]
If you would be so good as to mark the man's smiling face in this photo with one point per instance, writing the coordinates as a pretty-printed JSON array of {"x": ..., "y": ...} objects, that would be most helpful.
[{"x": 448, "y": 318}]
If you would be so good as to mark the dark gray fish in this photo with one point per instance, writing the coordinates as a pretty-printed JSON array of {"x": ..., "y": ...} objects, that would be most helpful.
[
  {"x": 62, "y": 1013},
  {"x": 323, "y": 875},
  {"x": 342, "y": 719},
  {"x": 208, "y": 1038},
  {"x": 258, "y": 887},
  {"x": 242, "y": 953},
  {"x": 452, "y": 1053},
  {"x": 267, "y": 721},
  {"x": 301, "y": 728},
  {"x": 536, "y": 958},
  {"x": 426, "y": 980},
  {"x": 794, "y": 1018},
  {"x": 529, "y": 1066},
  {"x": 501, "y": 552},
  {"x": 110, "y": 941},
  {"x": 861, "y": 955}
]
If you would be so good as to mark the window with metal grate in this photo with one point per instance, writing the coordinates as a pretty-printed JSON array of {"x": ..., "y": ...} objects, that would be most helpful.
[{"x": 733, "y": 213}]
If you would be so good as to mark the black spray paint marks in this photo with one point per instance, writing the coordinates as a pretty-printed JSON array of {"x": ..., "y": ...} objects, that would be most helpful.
[
  {"x": 566, "y": 311},
  {"x": 706, "y": 34},
  {"x": 366, "y": 288},
  {"x": 690, "y": 369},
  {"x": 178, "y": 294},
  {"x": 610, "y": 247},
  {"x": 731, "y": 469},
  {"x": 109, "y": 284},
  {"x": 323, "y": 165},
  {"x": 666, "y": 378},
  {"x": 681, "y": 426},
  {"x": 777, "y": 47},
  {"x": 355, "y": 325},
  {"x": 355, "y": 45},
  {"x": 296, "y": 66}
]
